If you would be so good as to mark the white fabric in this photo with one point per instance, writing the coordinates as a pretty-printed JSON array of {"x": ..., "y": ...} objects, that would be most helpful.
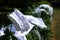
[
  {"x": 13, "y": 29},
  {"x": 50, "y": 9},
  {"x": 2, "y": 31},
  {"x": 20, "y": 25},
  {"x": 20, "y": 22},
  {"x": 23, "y": 24},
  {"x": 37, "y": 21},
  {"x": 39, "y": 9},
  {"x": 19, "y": 37}
]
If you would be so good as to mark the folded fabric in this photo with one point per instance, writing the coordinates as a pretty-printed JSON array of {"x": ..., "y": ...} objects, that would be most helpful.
[
  {"x": 43, "y": 8},
  {"x": 23, "y": 24},
  {"x": 20, "y": 22},
  {"x": 19, "y": 37},
  {"x": 36, "y": 21},
  {"x": 13, "y": 29},
  {"x": 39, "y": 11},
  {"x": 50, "y": 9}
]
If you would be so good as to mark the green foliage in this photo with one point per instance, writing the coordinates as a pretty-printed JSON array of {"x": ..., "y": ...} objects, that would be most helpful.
[
  {"x": 32, "y": 36},
  {"x": 44, "y": 2},
  {"x": 45, "y": 33},
  {"x": 30, "y": 7},
  {"x": 8, "y": 35}
]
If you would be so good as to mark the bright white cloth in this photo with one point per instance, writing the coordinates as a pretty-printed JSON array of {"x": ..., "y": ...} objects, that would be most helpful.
[
  {"x": 20, "y": 25},
  {"x": 23, "y": 24},
  {"x": 42, "y": 7},
  {"x": 2, "y": 31},
  {"x": 20, "y": 22},
  {"x": 19, "y": 37},
  {"x": 36, "y": 21},
  {"x": 50, "y": 9},
  {"x": 38, "y": 11}
]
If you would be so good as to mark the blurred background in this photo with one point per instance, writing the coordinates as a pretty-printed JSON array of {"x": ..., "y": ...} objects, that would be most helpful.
[{"x": 7, "y": 6}]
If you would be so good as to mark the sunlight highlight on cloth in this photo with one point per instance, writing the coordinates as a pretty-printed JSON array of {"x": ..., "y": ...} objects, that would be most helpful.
[
  {"x": 23, "y": 24},
  {"x": 2, "y": 31}
]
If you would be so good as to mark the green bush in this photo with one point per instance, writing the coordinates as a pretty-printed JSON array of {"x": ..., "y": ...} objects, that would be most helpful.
[
  {"x": 27, "y": 7},
  {"x": 45, "y": 33}
]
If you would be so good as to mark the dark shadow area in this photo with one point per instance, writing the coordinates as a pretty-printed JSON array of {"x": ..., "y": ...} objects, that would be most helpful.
[{"x": 4, "y": 20}]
